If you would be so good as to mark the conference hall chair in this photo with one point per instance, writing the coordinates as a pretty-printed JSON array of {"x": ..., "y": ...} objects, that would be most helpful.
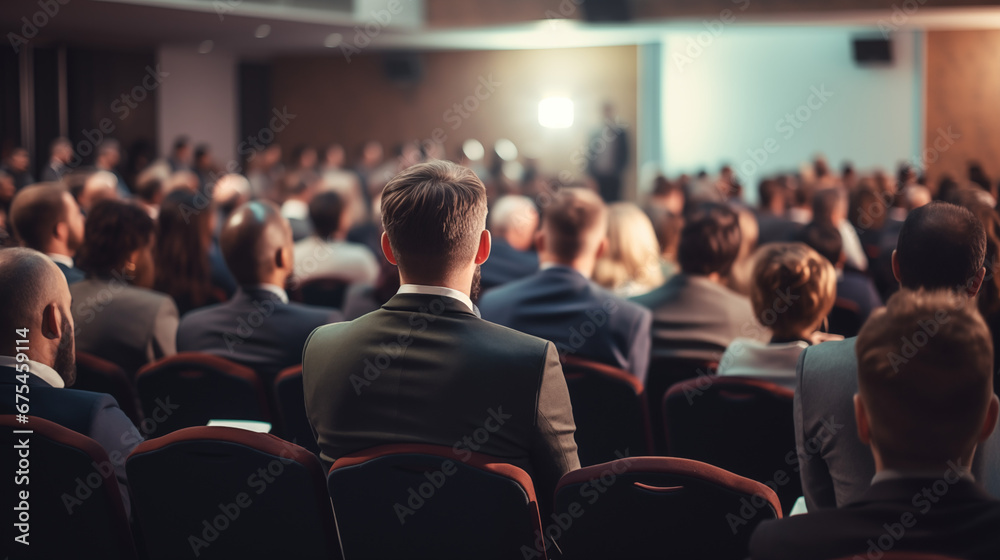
[
  {"x": 101, "y": 376},
  {"x": 845, "y": 318},
  {"x": 224, "y": 493},
  {"x": 610, "y": 410},
  {"x": 657, "y": 507},
  {"x": 426, "y": 501},
  {"x": 191, "y": 388},
  {"x": 325, "y": 291},
  {"x": 740, "y": 424},
  {"x": 663, "y": 373},
  {"x": 73, "y": 507},
  {"x": 291, "y": 409}
]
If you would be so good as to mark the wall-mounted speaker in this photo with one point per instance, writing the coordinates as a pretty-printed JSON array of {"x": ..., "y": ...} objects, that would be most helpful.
[
  {"x": 403, "y": 68},
  {"x": 606, "y": 10},
  {"x": 869, "y": 51}
]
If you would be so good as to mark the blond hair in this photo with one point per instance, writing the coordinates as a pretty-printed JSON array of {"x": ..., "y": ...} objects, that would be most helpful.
[
  {"x": 633, "y": 255},
  {"x": 793, "y": 288}
]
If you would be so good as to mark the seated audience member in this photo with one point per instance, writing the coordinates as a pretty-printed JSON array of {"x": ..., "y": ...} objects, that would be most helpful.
[
  {"x": 449, "y": 370},
  {"x": 34, "y": 296},
  {"x": 631, "y": 264},
  {"x": 772, "y": 221},
  {"x": 118, "y": 316},
  {"x": 738, "y": 279},
  {"x": 830, "y": 208},
  {"x": 694, "y": 314},
  {"x": 18, "y": 166},
  {"x": 792, "y": 293},
  {"x": 327, "y": 253},
  {"x": 183, "y": 239},
  {"x": 299, "y": 190},
  {"x": 98, "y": 186},
  {"x": 667, "y": 195},
  {"x": 109, "y": 155},
  {"x": 46, "y": 218},
  {"x": 257, "y": 244},
  {"x": 667, "y": 226},
  {"x": 852, "y": 285},
  {"x": 61, "y": 153},
  {"x": 941, "y": 246},
  {"x": 922, "y": 416},
  {"x": 512, "y": 222},
  {"x": 345, "y": 182},
  {"x": 149, "y": 193},
  {"x": 801, "y": 209},
  {"x": 561, "y": 304}
]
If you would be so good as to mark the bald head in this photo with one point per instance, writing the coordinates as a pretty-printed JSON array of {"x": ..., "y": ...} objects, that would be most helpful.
[
  {"x": 34, "y": 296},
  {"x": 99, "y": 186},
  {"x": 515, "y": 218},
  {"x": 257, "y": 244}
]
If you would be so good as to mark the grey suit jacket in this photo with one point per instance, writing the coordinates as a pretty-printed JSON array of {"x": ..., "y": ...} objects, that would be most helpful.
[
  {"x": 123, "y": 324},
  {"x": 425, "y": 369},
  {"x": 836, "y": 468},
  {"x": 694, "y": 317}
]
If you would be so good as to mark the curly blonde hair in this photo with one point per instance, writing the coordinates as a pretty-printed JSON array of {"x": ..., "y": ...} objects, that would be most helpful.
[{"x": 792, "y": 289}]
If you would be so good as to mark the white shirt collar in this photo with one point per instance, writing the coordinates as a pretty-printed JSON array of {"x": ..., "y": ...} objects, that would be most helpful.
[
  {"x": 295, "y": 209},
  {"x": 61, "y": 259},
  {"x": 439, "y": 291},
  {"x": 891, "y": 474},
  {"x": 276, "y": 290},
  {"x": 39, "y": 370}
]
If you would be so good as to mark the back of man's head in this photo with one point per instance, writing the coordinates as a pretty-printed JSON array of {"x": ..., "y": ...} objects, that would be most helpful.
[
  {"x": 710, "y": 240},
  {"x": 31, "y": 284},
  {"x": 255, "y": 241},
  {"x": 829, "y": 206},
  {"x": 940, "y": 246},
  {"x": 925, "y": 378},
  {"x": 825, "y": 239},
  {"x": 434, "y": 214},
  {"x": 35, "y": 212},
  {"x": 575, "y": 224},
  {"x": 515, "y": 218},
  {"x": 326, "y": 212}
]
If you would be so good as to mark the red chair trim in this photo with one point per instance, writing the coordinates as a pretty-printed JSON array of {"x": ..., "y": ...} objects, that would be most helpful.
[
  {"x": 199, "y": 360},
  {"x": 673, "y": 466},
  {"x": 288, "y": 373},
  {"x": 700, "y": 383}
]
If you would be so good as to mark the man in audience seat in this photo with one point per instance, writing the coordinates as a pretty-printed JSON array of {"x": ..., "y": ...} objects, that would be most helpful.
[
  {"x": 941, "y": 246},
  {"x": 258, "y": 327},
  {"x": 34, "y": 296},
  {"x": 424, "y": 368},
  {"x": 695, "y": 315},
  {"x": 327, "y": 253},
  {"x": 513, "y": 220},
  {"x": 46, "y": 218},
  {"x": 922, "y": 412},
  {"x": 561, "y": 304}
]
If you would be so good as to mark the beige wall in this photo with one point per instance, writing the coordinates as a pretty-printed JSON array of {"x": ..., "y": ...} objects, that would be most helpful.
[
  {"x": 351, "y": 102},
  {"x": 963, "y": 93}
]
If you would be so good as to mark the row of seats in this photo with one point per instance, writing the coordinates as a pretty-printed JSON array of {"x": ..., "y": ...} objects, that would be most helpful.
[{"x": 212, "y": 492}]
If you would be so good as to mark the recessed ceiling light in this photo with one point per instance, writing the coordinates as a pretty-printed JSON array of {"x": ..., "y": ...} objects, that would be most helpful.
[
  {"x": 555, "y": 112},
  {"x": 206, "y": 46},
  {"x": 333, "y": 40},
  {"x": 263, "y": 30}
]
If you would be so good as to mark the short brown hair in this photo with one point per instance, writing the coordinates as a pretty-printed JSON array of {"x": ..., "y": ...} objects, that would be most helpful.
[
  {"x": 925, "y": 375},
  {"x": 113, "y": 231},
  {"x": 793, "y": 288},
  {"x": 433, "y": 214},
  {"x": 36, "y": 211},
  {"x": 574, "y": 222}
]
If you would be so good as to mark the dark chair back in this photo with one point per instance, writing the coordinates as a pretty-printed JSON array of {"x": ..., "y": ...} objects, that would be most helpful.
[
  {"x": 290, "y": 398},
  {"x": 325, "y": 291},
  {"x": 610, "y": 410},
  {"x": 101, "y": 376},
  {"x": 223, "y": 493},
  {"x": 740, "y": 424},
  {"x": 663, "y": 374},
  {"x": 74, "y": 508},
  {"x": 195, "y": 388},
  {"x": 657, "y": 507},
  {"x": 424, "y": 501}
]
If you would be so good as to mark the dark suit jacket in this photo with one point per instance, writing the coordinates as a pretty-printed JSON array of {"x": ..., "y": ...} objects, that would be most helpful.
[
  {"x": 835, "y": 467},
  {"x": 507, "y": 264},
  {"x": 52, "y": 174},
  {"x": 560, "y": 305},
  {"x": 694, "y": 317},
  {"x": 123, "y": 324},
  {"x": 72, "y": 273},
  {"x": 425, "y": 369},
  {"x": 776, "y": 229},
  {"x": 859, "y": 288},
  {"x": 254, "y": 328},
  {"x": 960, "y": 521},
  {"x": 95, "y": 415}
]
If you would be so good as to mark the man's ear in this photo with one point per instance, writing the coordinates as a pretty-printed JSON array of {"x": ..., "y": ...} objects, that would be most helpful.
[
  {"x": 61, "y": 231},
  {"x": 52, "y": 322},
  {"x": 387, "y": 249},
  {"x": 283, "y": 258},
  {"x": 485, "y": 244},
  {"x": 990, "y": 423},
  {"x": 895, "y": 266},
  {"x": 976, "y": 282},
  {"x": 602, "y": 247},
  {"x": 540, "y": 241},
  {"x": 861, "y": 419}
]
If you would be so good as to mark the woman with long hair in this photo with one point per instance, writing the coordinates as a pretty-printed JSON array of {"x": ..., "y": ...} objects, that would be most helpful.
[{"x": 184, "y": 237}]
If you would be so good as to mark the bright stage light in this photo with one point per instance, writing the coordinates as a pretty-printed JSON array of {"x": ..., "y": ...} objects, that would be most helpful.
[{"x": 555, "y": 112}]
